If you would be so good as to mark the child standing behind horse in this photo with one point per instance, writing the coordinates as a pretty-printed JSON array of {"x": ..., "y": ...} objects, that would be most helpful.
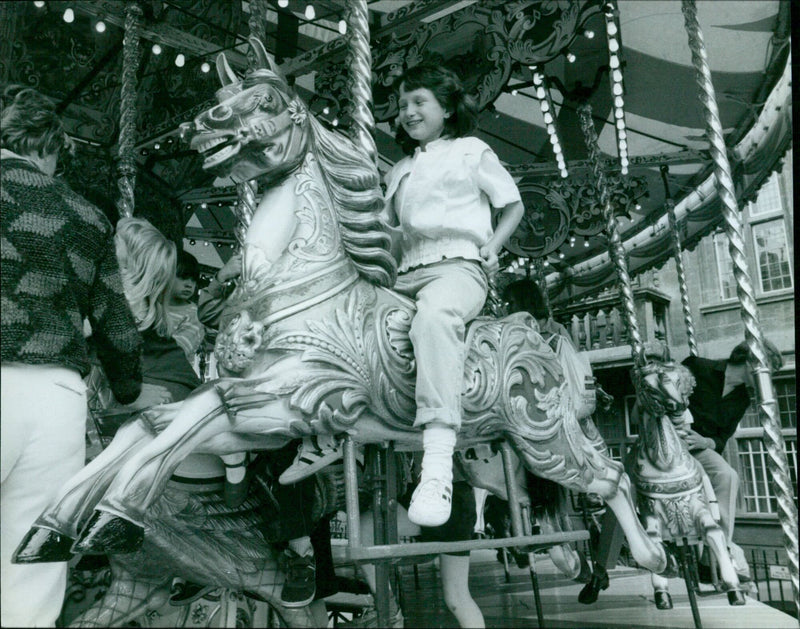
[{"x": 442, "y": 196}]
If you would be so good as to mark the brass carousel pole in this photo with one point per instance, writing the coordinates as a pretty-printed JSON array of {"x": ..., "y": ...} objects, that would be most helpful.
[
  {"x": 615, "y": 250},
  {"x": 777, "y": 462},
  {"x": 677, "y": 254},
  {"x": 247, "y": 191},
  {"x": 384, "y": 500},
  {"x": 126, "y": 168},
  {"x": 541, "y": 280}
]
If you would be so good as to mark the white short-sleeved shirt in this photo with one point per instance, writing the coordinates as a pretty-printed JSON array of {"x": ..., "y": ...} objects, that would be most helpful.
[{"x": 442, "y": 198}]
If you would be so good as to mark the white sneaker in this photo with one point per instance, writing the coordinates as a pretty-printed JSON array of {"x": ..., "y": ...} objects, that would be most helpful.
[
  {"x": 311, "y": 457},
  {"x": 431, "y": 502}
]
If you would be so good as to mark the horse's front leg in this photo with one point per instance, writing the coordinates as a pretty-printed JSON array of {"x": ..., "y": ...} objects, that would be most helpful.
[
  {"x": 615, "y": 489},
  {"x": 203, "y": 417}
]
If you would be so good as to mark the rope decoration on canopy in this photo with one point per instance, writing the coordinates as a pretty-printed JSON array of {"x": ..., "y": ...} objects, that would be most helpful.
[
  {"x": 777, "y": 462},
  {"x": 615, "y": 249},
  {"x": 126, "y": 168},
  {"x": 691, "y": 337}
]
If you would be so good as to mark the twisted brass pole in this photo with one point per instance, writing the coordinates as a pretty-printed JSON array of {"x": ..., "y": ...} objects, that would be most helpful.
[
  {"x": 126, "y": 168},
  {"x": 615, "y": 249},
  {"x": 541, "y": 280},
  {"x": 678, "y": 255},
  {"x": 777, "y": 462},
  {"x": 359, "y": 64},
  {"x": 247, "y": 191}
]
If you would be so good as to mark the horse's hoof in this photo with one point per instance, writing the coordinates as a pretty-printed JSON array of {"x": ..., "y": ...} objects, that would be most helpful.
[
  {"x": 41, "y": 545},
  {"x": 590, "y": 591},
  {"x": 108, "y": 533},
  {"x": 736, "y": 597},
  {"x": 663, "y": 599}
]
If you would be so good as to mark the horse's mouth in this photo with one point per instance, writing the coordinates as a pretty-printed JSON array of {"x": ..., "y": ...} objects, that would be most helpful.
[{"x": 216, "y": 150}]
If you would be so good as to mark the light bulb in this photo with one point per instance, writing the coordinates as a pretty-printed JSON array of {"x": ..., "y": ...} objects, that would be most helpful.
[
  {"x": 342, "y": 27},
  {"x": 557, "y": 148},
  {"x": 537, "y": 78},
  {"x": 624, "y": 170},
  {"x": 514, "y": 92},
  {"x": 69, "y": 16},
  {"x": 619, "y": 113},
  {"x": 545, "y": 106},
  {"x": 551, "y": 129},
  {"x": 564, "y": 173},
  {"x": 617, "y": 89},
  {"x": 588, "y": 34},
  {"x": 548, "y": 118},
  {"x": 638, "y": 206},
  {"x": 623, "y": 145},
  {"x": 310, "y": 12},
  {"x": 326, "y": 110},
  {"x": 618, "y": 101},
  {"x": 283, "y": 3},
  {"x": 585, "y": 242},
  {"x": 617, "y": 76},
  {"x": 613, "y": 45},
  {"x": 561, "y": 255},
  {"x": 620, "y": 124},
  {"x": 540, "y": 93},
  {"x": 156, "y": 146},
  {"x": 335, "y": 122},
  {"x": 613, "y": 61},
  {"x": 205, "y": 66},
  {"x": 156, "y": 49},
  {"x": 100, "y": 27},
  {"x": 571, "y": 57},
  {"x": 180, "y": 60},
  {"x": 39, "y": 4},
  {"x": 611, "y": 28},
  {"x": 205, "y": 243}
]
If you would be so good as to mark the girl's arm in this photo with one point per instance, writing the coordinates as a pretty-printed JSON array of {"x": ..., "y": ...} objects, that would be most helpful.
[{"x": 510, "y": 216}]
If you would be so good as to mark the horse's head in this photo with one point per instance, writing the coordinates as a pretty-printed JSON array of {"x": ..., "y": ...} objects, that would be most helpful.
[
  {"x": 259, "y": 128},
  {"x": 663, "y": 389}
]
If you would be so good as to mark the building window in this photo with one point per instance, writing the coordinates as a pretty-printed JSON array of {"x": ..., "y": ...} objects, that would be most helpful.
[
  {"x": 768, "y": 244},
  {"x": 727, "y": 281},
  {"x": 772, "y": 253},
  {"x": 769, "y": 198},
  {"x": 756, "y": 493}
]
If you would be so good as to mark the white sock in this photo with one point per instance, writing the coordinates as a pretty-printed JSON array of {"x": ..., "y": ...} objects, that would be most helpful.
[
  {"x": 302, "y": 546},
  {"x": 235, "y": 474},
  {"x": 438, "y": 443}
]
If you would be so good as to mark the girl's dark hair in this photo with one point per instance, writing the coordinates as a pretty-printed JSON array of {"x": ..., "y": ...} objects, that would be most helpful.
[
  {"x": 525, "y": 295},
  {"x": 187, "y": 267},
  {"x": 449, "y": 92}
]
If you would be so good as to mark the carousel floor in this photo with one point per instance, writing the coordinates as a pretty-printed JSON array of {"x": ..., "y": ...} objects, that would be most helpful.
[{"x": 628, "y": 602}]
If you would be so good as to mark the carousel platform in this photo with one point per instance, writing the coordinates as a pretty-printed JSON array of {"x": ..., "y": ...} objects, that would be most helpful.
[{"x": 628, "y": 602}]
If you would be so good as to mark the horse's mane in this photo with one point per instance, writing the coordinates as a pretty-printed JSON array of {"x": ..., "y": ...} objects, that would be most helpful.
[{"x": 353, "y": 182}]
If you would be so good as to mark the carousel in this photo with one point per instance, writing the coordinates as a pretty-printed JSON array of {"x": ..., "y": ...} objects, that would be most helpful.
[{"x": 633, "y": 129}]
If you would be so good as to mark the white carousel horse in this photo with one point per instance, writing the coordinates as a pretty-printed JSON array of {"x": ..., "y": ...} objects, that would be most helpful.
[
  {"x": 313, "y": 341},
  {"x": 676, "y": 500}
]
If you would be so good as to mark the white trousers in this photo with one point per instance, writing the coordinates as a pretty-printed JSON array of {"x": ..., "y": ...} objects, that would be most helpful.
[{"x": 43, "y": 410}]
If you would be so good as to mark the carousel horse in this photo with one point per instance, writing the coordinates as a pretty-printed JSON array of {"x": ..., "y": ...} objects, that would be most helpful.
[
  {"x": 676, "y": 500},
  {"x": 313, "y": 341}
]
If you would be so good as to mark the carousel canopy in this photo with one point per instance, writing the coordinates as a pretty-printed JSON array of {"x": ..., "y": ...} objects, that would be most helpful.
[{"x": 531, "y": 64}]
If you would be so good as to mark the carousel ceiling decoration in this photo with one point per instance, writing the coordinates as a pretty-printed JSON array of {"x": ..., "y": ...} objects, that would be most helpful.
[{"x": 532, "y": 65}]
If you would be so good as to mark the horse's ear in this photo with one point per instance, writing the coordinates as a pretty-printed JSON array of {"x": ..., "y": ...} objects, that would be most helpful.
[
  {"x": 226, "y": 74},
  {"x": 264, "y": 59}
]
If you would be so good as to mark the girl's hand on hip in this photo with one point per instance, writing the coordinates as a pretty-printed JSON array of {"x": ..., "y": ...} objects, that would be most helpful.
[{"x": 489, "y": 262}]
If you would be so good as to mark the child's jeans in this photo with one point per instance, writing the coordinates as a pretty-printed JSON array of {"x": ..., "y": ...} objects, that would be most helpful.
[{"x": 449, "y": 294}]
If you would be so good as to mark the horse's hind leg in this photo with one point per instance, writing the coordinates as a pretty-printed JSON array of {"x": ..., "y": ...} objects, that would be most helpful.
[
  {"x": 715, "y": 539},
  {"x": 79, "y": 495},
  {"x": 201, "y": 420},
  {"x": 615, "y": 489}
]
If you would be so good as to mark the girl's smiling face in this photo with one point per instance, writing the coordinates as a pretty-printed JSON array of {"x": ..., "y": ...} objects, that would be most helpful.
[{"x": 421, "y": 115}]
